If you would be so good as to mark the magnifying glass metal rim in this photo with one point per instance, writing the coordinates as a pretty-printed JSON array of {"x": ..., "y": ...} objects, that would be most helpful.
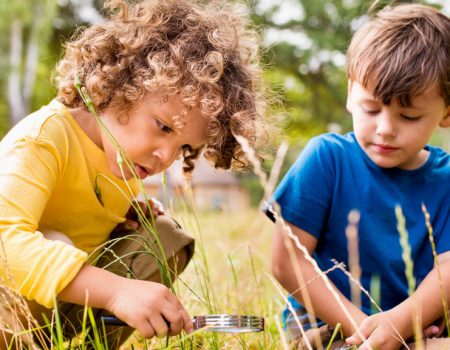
[
  {"x": 214, "y": 323},
  {"x": 229, "y": 323}
]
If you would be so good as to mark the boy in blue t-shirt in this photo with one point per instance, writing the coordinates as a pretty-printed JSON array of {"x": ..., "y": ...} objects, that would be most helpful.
[{"x": 398, "y": 94}]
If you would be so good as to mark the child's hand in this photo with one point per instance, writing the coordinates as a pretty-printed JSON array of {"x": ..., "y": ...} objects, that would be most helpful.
[
  {"x": 151, "y": 308},
  {"x": 435, "y": 330},
  {"x": 132, "y": 217},
  {"x": 379, "y": 333},
  {"x": 157, "y": 206}
]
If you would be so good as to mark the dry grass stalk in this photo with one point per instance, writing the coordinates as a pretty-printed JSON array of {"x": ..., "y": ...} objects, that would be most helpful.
[
  {"x": 17, "y": 323},
  {"x": 331, "y": 269},
  {"x": 283, "y": 339},
  {"x": 276, "y": 169},
  {"x": 409, "y": 271},
  {"x": 316, "y": 267},
  {"x": 366, "y": 292},
  {"x": 253, "y": 159},
  {"x": 268, "y": 186},
  {"x": 287, "y": 230},
  {"x": 306, "y": 297},
  {"x": 437, "y": 265},
  {"x": 353, "y": 254},
  {"x": 291, "y": 309}
]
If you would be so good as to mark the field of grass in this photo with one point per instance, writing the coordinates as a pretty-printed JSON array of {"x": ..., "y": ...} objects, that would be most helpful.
[{"x": 230, "y": 273}]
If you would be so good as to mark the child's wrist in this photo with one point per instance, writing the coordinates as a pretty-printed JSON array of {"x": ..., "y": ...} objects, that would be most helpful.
[
  {"x": 401, "y": 318},
  {"x": 116, "y": 288}
]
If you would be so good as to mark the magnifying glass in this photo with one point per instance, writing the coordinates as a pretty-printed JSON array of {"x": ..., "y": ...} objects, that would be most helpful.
[{"x": 213, "y": 323}]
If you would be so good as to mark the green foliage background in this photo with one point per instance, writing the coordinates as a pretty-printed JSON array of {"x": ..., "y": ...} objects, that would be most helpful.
[{"x": 304, "y": 44}]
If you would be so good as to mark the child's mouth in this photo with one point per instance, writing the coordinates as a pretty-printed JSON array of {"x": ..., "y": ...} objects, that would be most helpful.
[
  {"x": 141, "y": 172},
  {"x": 385, "y": 149}
]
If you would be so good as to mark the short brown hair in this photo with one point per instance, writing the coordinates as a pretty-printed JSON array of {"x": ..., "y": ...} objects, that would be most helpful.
[
  {"x": 401, "y": 52},
  {"x": 206, "y": 53}
]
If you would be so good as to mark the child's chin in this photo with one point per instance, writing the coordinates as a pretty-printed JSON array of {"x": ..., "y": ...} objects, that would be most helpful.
[
  {"x": 382, "y": 162},
  {"x": 125, "y": 176}
]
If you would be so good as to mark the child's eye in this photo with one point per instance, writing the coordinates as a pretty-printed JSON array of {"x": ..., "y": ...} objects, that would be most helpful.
[
  {"x": 406, "y": 117},
  {"x": 371, "y": 111},
  {"x": 164, "y": 128}
]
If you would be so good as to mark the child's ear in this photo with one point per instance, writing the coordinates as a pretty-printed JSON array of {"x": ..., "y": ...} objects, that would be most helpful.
[
  {"x": 349, "y": 104},
  {"x": 445, "y": 123}
]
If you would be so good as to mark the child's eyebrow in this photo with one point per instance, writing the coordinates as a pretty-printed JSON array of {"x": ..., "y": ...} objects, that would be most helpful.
[
  {"x": 415, "y": 108},
  {"x": 175, "y": 126},
  {"x": 421, "y": 106}
]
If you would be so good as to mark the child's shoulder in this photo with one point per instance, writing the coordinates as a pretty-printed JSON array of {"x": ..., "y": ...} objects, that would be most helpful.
[
  {"x": 329, "y": 151},
  {"x": 333, "y": 138},
  {"x": 332, "y": 143},
  {"x": 49, "y": 124},
  {"x": 439, "y": 159}
]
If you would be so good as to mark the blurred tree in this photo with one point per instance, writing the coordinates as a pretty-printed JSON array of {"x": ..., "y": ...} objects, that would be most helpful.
[
  {"x": 306, "y": 43},
  {"x": 28, "y": 27},
  {"x": 32, "y": 33}
]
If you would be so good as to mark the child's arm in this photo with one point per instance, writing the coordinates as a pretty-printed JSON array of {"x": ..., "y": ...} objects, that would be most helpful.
[
  {"x": 426, "y": 302},
  {"x": 146, "y": 306},
  {"x": 324, "y": 303}
]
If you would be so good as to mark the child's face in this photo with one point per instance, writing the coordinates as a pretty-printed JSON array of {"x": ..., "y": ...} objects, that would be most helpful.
[
  {"x": 148, "y": 136},
  {"x": 392, "y": 135}
]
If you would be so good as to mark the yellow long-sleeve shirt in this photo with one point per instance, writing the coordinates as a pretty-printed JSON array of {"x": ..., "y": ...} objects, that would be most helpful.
[{"x": 48, "y": 171}]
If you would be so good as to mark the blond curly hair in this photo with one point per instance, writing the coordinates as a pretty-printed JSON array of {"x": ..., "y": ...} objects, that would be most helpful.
[{"x": 205, "y": 53}]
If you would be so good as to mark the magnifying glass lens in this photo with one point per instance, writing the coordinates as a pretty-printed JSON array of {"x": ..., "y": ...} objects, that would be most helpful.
[
  {"x": 229, "y": 323},
  {"x": 214, "y": 323}
]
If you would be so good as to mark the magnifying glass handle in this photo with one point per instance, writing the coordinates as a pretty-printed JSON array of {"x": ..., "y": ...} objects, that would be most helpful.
[
  {"x": 268, "y": 210},
  {"x": 112, "y": 321}
]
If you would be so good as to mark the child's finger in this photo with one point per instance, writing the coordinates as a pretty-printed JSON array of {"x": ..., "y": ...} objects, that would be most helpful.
[
  {"x": 132, "y": 223},
  {"x": 156, "y": 206},
  {"x": 143, "y": 207},
  {"x": 187, "y": 321},
  {"x": 431, "y": 331},
  {"x": 367, "y": 346},
  {"x": 441, "y": 326},
  {"x": 365, "y": 329},
  {"x": 175, "y": 320},
  {"x": 160, "y": 325},
  {"x": 146, "y": 329},
  {"x": 188, "y": 326}
]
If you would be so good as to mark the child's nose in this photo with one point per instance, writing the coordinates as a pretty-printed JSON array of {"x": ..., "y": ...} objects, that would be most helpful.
[
  {"x": 167, "y": 155},
  {"x": 386, "y": 126}
]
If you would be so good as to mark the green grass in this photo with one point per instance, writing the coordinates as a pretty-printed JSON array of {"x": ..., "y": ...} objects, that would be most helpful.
[{"x": 228, "y": 274}]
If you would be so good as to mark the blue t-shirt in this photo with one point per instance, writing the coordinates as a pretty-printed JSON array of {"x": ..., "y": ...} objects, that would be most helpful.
[{"x": 333, "y": 176}]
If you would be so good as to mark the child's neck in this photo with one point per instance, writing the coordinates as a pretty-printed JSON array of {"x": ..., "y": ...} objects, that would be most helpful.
[
  {"x": 87, "y": 122},
  {"x": 418, "y": 161}
]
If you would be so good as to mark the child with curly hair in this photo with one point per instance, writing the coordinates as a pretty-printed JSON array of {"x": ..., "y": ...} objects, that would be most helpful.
[
  {"x": 398, "y": 95},
  {"x": 167, "y": 79}
]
